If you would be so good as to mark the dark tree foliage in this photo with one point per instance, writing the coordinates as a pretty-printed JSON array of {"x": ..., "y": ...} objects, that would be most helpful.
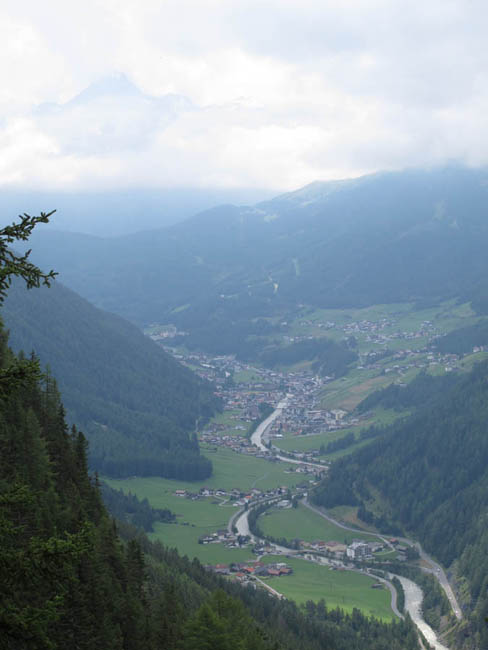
[
  {"x": 463, "y": 340},
  {"x": 336, "y": 445},
  {"x": 423, "y": 389},
  {"x": 435, "y": 604},
  {"x": 137, "y": 405},
  {"x": 67, "y": 580},
  {"x": 127, "y": 507},
  {"x": 431, "y": 470},
  {"x": 265, "y": 410},
  {"x": 14, "y": 265},
  {"x": 329, "y": 357},
  {"x": 400, "y": 593}
]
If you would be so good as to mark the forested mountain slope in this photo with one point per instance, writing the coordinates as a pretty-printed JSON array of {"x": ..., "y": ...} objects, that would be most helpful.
[
  {"x": 392, "y": 237},
  {"x": 431, "y": 473},
  {"x": 67, "y": 581},
  {"x": 137, "y": 405}
]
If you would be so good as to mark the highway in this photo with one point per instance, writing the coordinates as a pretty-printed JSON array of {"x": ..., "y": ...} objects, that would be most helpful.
[
  {"x": 240, "y": 521},
  {"x": 257, "y": 437},
  {"x": 434, "y": 568},
  {"x": 413, "y": 593}
]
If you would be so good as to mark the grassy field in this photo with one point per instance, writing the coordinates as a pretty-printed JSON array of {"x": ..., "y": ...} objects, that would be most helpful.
[
  {"x": 347, "y": 392},
  {"x": 343, "y": 589},
  {"x": 207, "y": 515},
  {"x": 185, "y": 539},
  {"x": 307, "y": 443},
  {"x": 230, "y": 420},
  {"x": 231, "y": 470},
  {"x": 406, "y": 316},
  {"x": 247, "y": 377},
  {"x": 303, "y": 523},
  {"x": 348, "y": 515},
  {"x": 470, "y": 360}
]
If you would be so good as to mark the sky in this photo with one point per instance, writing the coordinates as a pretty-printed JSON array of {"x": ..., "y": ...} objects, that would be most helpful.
[{"x": 275, "y": 94}]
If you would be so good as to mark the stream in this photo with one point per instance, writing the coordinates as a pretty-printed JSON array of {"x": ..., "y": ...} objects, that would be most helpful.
[{"x": 413, "y": 605}]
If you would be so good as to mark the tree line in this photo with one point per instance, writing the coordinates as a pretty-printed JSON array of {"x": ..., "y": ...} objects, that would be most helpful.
[{"x": 431, "y": 472}]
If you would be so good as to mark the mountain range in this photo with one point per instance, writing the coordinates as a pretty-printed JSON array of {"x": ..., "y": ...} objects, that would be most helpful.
[{"x": 416, "y": 236}]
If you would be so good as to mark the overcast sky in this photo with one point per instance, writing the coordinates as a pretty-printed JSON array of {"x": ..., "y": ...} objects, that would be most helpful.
[{"x": 267, "y": 93}]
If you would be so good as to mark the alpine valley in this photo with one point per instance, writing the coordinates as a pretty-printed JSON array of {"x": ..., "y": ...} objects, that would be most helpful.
[{"x": 285, "y": 412}]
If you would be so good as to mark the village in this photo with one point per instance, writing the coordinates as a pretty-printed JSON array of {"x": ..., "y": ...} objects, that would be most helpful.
[
  {"x": 338, "y": 556},
  {"x": 249, "y": 393}
]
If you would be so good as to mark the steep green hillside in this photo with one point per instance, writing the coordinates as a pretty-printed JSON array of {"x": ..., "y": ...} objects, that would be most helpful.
[
  {"x": 406, "y": 236},
  {"x": 67, "y": 579},
  {"x": 429, "y": 474},
  {"x": 137, "y": 405}
]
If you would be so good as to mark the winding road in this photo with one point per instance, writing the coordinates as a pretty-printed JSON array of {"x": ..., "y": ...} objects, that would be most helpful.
[
  {"x": 434, "y": 568},
  {"x": 257, "y": 437},
  {"x": 240, "y": 521},
  {"x": 413, "y": 593}
]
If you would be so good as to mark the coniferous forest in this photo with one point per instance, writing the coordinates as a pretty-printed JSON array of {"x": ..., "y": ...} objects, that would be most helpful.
[
  {"x": 69, "y": 580},
  {"x": 73, "y": 578},
  {"x": 244, "y": 350},
  {"x": 137, "y": 406},
  {"x": 430, "y": 470}
]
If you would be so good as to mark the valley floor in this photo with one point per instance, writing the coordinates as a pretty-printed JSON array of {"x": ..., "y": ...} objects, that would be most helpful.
[{"x": 281, "y": 462}]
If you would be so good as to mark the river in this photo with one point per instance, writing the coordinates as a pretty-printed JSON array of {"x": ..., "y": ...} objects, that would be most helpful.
[
  {"x": 413, "y": 605},
  {"x": 413, "y": 593}
]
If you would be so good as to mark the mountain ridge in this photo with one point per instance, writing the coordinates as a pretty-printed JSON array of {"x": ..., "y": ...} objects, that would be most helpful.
[
  {"x": 390, "y": 237},
  {"x": 137, "y": 405}
]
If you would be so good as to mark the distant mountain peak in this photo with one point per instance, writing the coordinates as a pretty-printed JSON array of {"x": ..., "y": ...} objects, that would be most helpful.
[{"x": 114, "y": 84}]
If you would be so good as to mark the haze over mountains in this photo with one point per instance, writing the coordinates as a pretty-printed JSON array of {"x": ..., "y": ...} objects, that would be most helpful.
[
  {"x": 391, "y": 237},
  {"x": 230, "y": 277},
  {"x": 113, "y": 116},
  {"x": 251, "y": 410},
  {"x": 121, "y": 212}
]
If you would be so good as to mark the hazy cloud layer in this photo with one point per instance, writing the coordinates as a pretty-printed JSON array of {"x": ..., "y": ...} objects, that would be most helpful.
[{"x": 229, "y": 93}]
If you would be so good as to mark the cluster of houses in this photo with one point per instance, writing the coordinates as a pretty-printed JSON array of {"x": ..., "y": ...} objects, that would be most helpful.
[
  {"x": 239, "y": 498},
  {"x": 236, "y": 443},
  {"x": 225, "y": 537},
  {"x": 358, "y": 549},
  {"x": 377, "y": 332},
  {"x": 408, "y": 359},
  {"x": 299, "y": 419},
  {"x": 247, "y": 569},
  {"x": 332, "y": 547},
  {"x": 162, "y": 332},
  {"x": 205, "y": 492}
]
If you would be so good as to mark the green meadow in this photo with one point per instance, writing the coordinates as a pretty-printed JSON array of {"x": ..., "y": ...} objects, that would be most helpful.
[
  {"x": 306, "y": 443},
  {"x": 185, "y": 539},
  {"x": 303, "y": 523},
  {"x": 343, "y": 589},
  {"x": 231, "y": 470},
  {"x": 406, "y": 316}
]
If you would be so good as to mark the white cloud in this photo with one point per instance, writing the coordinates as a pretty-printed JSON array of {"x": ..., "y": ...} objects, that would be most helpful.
[{"x": 271, "y": 93}]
